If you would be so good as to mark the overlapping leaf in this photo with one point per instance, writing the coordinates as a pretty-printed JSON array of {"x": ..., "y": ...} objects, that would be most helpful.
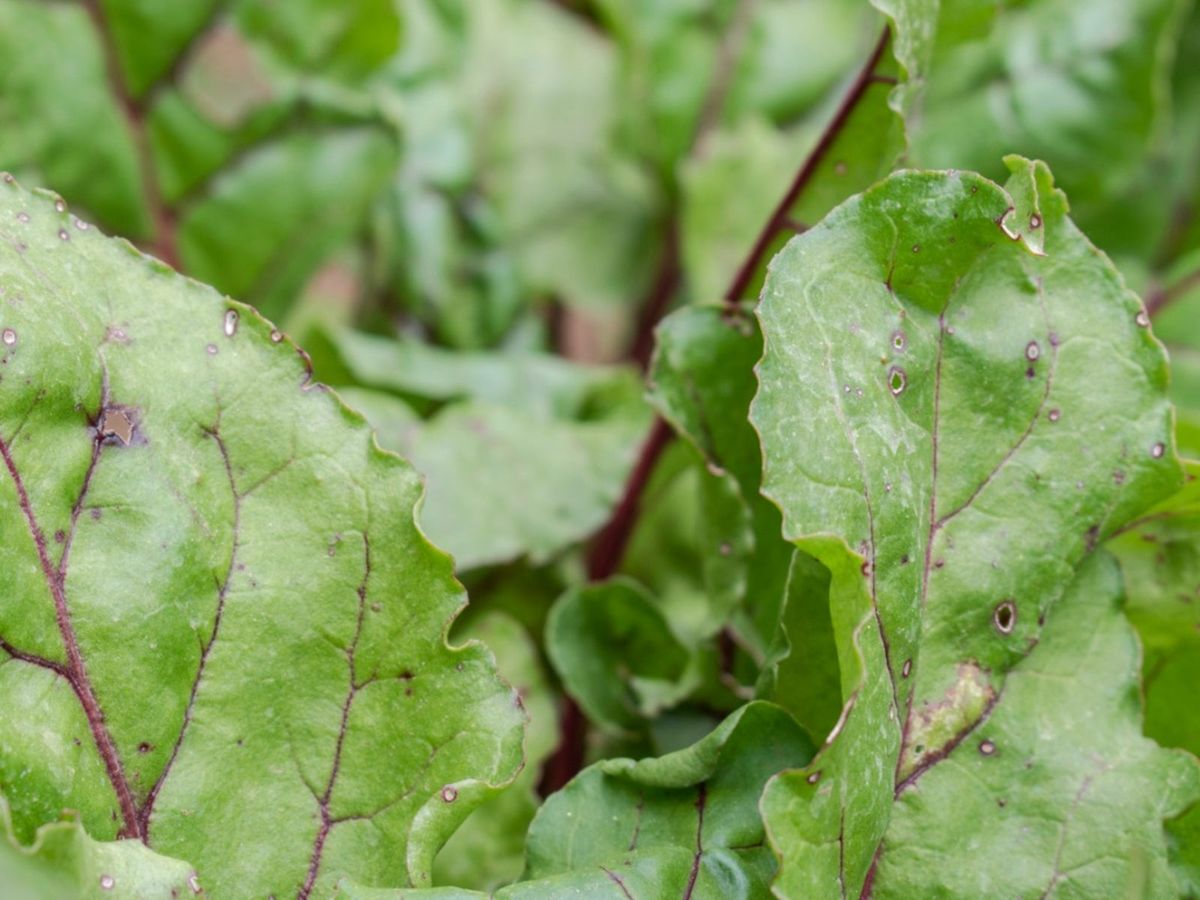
[
  {"x": 223, "y": 631},
  {"x": 950, "y": 423},
  {"x": 685, "y": 824},
  {"x": 63, "y": 861}
]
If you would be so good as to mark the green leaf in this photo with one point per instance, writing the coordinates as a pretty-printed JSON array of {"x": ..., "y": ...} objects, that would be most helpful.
[
  {"x": 543, "y": 385},
  {"x": 800, "y": 671},
  {"x": 149, "y": 36},
  {"x": 225, "y": 633},
  {"x": 1160, "y": 556},
  {"x": 616, "y": 653},
  {"x": 580, "y": 217},
  {"x": 1079, "y": 85},
  {"x": 702, "y": 382},
  {"x": 689, "y": 818},
  {"x": 843, "y": 146},
  {"x": 489, "y": 849},
  {"x": 258, "y": 237},
  {"x": 685, "y": 824},
  {"x": 504, "y": 484},
  {"x": 63, "y": 861},
  {"x": 1058, "y": 790},
  {"x": 59, "y": 125},
  {"x": 950, "y": 423}
]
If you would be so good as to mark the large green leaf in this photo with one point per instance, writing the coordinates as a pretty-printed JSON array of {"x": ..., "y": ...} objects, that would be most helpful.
[
  {"x": 958, "y": 400},
  {"x": 225, "y": 633},
  {"x": 682, "y": 825},
  {"x": 1058, "y": 790}
]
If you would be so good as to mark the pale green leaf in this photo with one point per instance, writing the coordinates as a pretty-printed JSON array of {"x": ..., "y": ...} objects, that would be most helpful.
[
  {"x": 1056, "y": 794},
  {"x": 224, "y": 631},
  {"x": 950, "y": 423}
]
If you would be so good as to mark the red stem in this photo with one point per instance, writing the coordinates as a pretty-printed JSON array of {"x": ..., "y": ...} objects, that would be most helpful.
[
  {"x": 163, "y": 243},
  {"x": 610, "y": 543},
  {"x": 1160, "y": 298},
  {"x": 781, "y": 219}
]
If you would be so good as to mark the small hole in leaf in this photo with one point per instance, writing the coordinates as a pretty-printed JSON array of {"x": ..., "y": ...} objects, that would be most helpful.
[
  {"x": 1158, "y": 450},
  {"x": 62, "y": 235},
  {"x": 8, "y": 336},
  {"x": 916, "y": 248},
  {"x": 1143, "y": 319},
  {"x": 987, "y": 747},
  {"x": 907, "y": 670},
  {"x": 1004, "y": 617},
  {"x": 212, "y": 349},
  {"x": 899, "y": 340},
  {"x": 1055, "y": 415},
  {"x": 1032, "y": 351},
  {"x": 107, "y": 882},
  {"x": 449, "y": 793},
  {"x": 231, "y": 322},
  {"x": 1035, "y": 221},
  {"x": 897, "y": 381},
  {"x": 813, "y": 777},
  {"x": 144, "y": 747}
]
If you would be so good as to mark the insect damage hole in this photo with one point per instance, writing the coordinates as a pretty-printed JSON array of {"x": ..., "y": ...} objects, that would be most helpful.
[
  {"x": 897, "y": 381},
  {"x": 119, "y": 424},
  {"x": 1004, "y": 617}
]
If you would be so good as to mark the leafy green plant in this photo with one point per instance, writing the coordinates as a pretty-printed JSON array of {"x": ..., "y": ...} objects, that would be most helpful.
[{"x": 820, "y": 486}]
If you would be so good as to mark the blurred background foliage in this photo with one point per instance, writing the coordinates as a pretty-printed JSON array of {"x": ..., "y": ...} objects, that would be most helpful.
[{"x": 472, "y": 214}]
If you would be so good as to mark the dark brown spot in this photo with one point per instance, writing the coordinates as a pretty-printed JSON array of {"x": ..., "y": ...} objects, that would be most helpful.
[{"x": 1004, "y": 617}]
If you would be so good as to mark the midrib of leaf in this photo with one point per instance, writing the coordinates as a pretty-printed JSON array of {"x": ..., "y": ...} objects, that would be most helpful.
[
  {"x": 906, "y": 779},
  {"x": 75, "y": 671},
  {"x": 701, "y": 802}
]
